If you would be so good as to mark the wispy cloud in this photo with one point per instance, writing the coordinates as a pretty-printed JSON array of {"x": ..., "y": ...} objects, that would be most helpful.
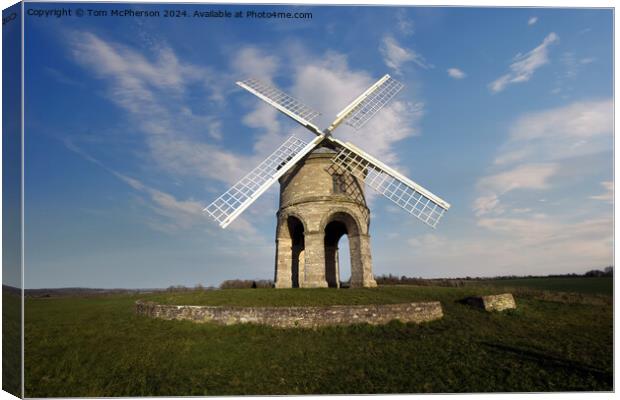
[
  {"x": 572, "y": 66},
  {"x": 255, "y": 63},
  {"x": 534, "y": 244},
  {"x": 178, "y": 213},
  {"x": 580, "y": 128},
  {"x": 152, "y": 92},
  {"x": 456, "y": 73},
  {"x": 527, "y": 177},
  {"x": 524, "y": 65},
  {"x": 608, "y": 195},
  {"x": 540, "y": 146},
  {"x": 396, "y": 56},
  {"x": 532, "y": 21},
  {"x": 405, "y": 24}
]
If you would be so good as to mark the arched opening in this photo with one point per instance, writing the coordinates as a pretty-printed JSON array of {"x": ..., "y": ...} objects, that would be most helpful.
[
  {"x": 296, "y": 230},
  {"x": 333, "y": 232},
  {"x": 344, "y": 261},
  {"x": 340, "y": 274}
]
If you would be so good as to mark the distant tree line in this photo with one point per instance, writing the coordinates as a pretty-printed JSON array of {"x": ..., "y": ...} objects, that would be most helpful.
[
  {"x": 246, "y": 284},
  {"x": 405, "y": 280},
  {"x": 390, "y": 279},
  {"x": 607, "y": 271},
  {"x": 455, "y": 282}
]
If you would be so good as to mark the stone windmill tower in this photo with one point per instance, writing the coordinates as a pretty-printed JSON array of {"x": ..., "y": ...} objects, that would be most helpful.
[{"x": 322, "y": 192}]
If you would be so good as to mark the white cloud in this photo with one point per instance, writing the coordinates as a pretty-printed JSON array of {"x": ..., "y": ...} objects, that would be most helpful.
[
  {"x": 542, "y": 145},
  {"x": 329, "y": 84},
  {"x": 427, "y": 241},
  {"x": 405, "y": 25},
  {"x": 527, "y": 176},
  {"x": 172, "y": 214},
  {"x": 251, "y": 62},
  {"x": 579, "y": 120},
  {"x": 524, "y": 65},
  {"x": 542, "y": 230},
  {"x": 608, "y": 195},
  {"x": 536, "y": 245},
  {"x": 456, "y": 73},
  {"x": 577, "y": 129},
  {"x": 395, "y": 56},
  {"x": 487, "y": 204},
  {"x": 532, "y": 20}
]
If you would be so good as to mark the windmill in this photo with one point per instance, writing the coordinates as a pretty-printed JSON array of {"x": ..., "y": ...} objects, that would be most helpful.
[{"x": 322, "y": 187}]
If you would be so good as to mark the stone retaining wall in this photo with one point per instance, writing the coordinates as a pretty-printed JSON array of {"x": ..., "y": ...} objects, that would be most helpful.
[{"x": 295, "y": 317}]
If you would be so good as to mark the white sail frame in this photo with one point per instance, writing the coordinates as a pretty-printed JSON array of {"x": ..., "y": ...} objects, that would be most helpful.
[
  {"x": 404, "y": 192},
  {"x": 398, "y": 188},
  {"x": 226, "y": 208},
  {"x": 283, "y": 102}
]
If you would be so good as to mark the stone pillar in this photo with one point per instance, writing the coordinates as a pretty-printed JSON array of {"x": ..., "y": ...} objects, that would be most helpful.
[
  {"x": 337, "y": 267},
  {"x": 283, "y": 278},
  {"x": 361, "y": 261},
  {"x": 314, "y": 267},
  {"x": 299, "y": 264},
  {"x": 331, "y": 266}
]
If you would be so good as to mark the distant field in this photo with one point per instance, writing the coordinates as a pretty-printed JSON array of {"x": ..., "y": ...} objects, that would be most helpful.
[
  {"x": 97, "y": 346},
  {"x": 603, "y": 286}
]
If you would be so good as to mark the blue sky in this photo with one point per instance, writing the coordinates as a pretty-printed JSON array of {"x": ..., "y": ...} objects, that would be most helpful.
[{"x": 134, "y": 125}]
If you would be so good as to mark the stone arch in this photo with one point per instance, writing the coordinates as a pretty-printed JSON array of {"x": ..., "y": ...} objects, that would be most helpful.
[
  {"x": 347, "y": 216},
  {"x": 290, "y": 246},
  {"x": 281, "y": 229},
  {"x": 338, "y": 223}
]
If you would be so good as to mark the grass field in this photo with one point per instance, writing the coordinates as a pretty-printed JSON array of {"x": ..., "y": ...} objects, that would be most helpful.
[
  {"x": 590, "y": 285},
  {"x": 11, "y": 343},
  {"x": 97, "y": 346}
]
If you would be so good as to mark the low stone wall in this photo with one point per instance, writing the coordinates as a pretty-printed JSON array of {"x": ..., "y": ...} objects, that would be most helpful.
[{"x": 295, "y": 317}]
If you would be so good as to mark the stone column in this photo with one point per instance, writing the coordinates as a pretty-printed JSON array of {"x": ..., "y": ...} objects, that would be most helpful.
[
  {"x": 284, "y": 264},
  {"x": 361, "y": 262},
  {"x": 298, "y": 266},
  {"x": 314, "y": 267},
  {"x": 337, "y": 268},
  {"x": 331, "y": 266}
]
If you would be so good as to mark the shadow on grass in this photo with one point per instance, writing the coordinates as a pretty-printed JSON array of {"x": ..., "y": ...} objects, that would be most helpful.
[{"x": 547, "y": 360}]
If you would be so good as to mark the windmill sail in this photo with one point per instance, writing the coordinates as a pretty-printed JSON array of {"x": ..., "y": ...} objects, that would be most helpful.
[
  {"x": 286, "y": 104},
  {"x": 235, "y": 200},
  {"x": 402, "y": 191},
  {"x": 405, "y": 193},
  {"x": 366, "y": 105}
]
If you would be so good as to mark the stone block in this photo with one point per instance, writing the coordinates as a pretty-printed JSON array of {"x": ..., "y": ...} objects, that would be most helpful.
[{"x": 497, "y": 302}]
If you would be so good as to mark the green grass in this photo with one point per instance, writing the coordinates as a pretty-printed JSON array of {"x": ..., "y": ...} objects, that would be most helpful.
[
  {"x": 98, "y": 347},
  {"x": 594, "y": 285},
  {"x": 305, "y": 297},
  {"x": 11, "y": 343}
]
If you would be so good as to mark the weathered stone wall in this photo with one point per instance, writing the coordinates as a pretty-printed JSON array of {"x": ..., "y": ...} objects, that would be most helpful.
[{"x": 295, "y": 317}]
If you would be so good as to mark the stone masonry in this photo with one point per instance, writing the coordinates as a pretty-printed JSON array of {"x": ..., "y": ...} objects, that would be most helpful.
[
  {"x": 318, "y": 205},
  {"x": 497, "y": 302},
  {"x": 295, "y": 317}
]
